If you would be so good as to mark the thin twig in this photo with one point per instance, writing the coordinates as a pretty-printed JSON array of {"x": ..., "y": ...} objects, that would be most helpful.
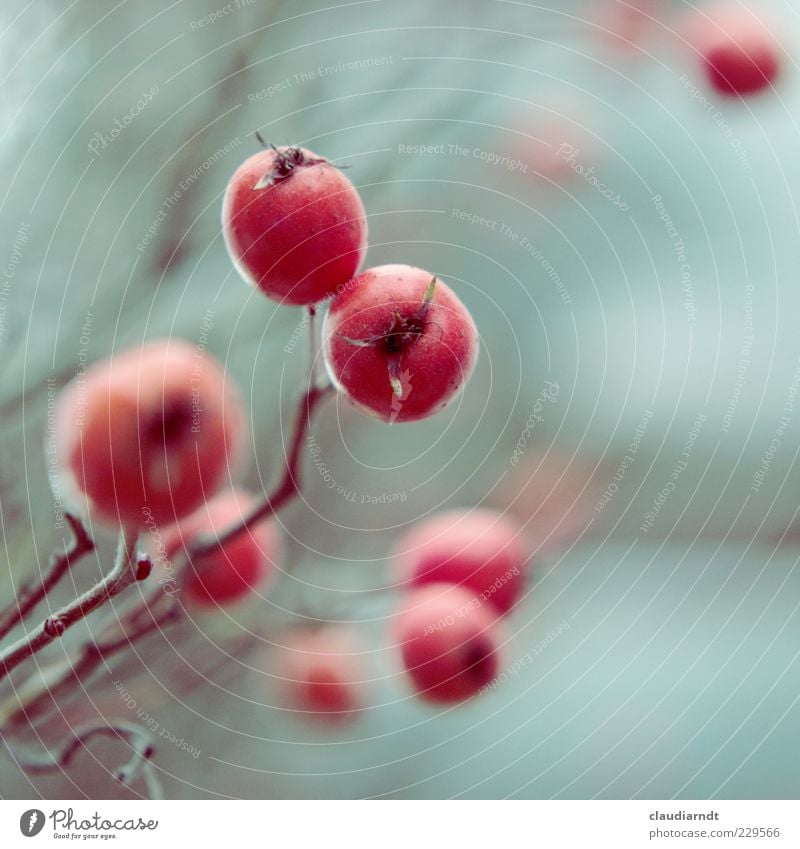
[
  {"x": 230, "y": 663},
  {"x": 32, "y": 698},
  {"x": 126, "y": 571},
  {"x": 152, "y": 782},
  {"x": 59, "y": 758},
  {"x": 315, "y": 362},
  {"x": 31, "y": 593},
  {"x": 313, "y": 350},
  {"x": 287, "y": 489}
]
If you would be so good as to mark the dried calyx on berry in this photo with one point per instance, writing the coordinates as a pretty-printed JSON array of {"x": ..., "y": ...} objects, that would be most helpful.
[
  {"x": 404, "y": 321},
  {"x": 404, "y": 331},
  {"x": 287, "y": 159}
]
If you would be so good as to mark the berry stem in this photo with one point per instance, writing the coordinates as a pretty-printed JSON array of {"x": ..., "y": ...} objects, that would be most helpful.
[
  {"x": 33, "y": 696},
  {"x": 314, "y": 344},
  {"x": 57, "y": 759},
  {"x": 31, "y": 593},
  {"x": 125, "y": 572},
  {"x": 288, "y": 487}
]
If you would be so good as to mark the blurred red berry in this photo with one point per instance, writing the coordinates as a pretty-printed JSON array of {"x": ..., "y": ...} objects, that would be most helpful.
[
  {"x": 741, "y": 55},
  {"x": 625, "y": 25},
  {"x": 480, "y": 550},
  {"x": 233, "y": 570},
  {"x": 554, "y": 494},
  {"x": 449, "y": 642},
  {"x": 149, "y": 434},
  {"x": 320, "y": 672}
]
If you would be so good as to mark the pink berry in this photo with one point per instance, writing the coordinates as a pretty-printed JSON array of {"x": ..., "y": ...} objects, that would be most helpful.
[
  {"x": 294, "y": 225},
  {"x": 449, "y": 643},
  {"x": 232, "y": 571},
  {"x": 148, "y": 435},
  {"x": 562, "y": 150},
  {"x": 399, "y": 343},
  {"x": 555, "y": 494},
  {"x": 624, "y": 25},
  {"x": 557, "y": 141},
  {"x": 321, "y": 675},
  {"x": 740, "y": 53},
  {"x": 480, "y": 550}
]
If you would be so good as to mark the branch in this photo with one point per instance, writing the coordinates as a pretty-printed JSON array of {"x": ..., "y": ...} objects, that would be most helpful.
[
  {"x": 126, "y": 571},
  {"x": 316, "y": 367},
  {"x": 31, "y": 700},
  {"x": 59, "y": 758},
  {"x": 30, "y": 593},
  {"x": 286, "y": 491}
]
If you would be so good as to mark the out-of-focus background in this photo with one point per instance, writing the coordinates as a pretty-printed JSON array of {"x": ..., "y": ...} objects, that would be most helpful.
[{"x": 617, "y": 229}]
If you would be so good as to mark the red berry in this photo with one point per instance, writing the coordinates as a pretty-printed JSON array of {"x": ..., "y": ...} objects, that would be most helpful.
[
  {"x": 480, "y": 550},
  {"x": 320, "y": 672},
  {"x": 399, "y": 343},
  {"x": 294, "y": 225},
  {"x": 741, "y": 55},
  {"x": 149, "y": 434},
  {"x": 449, "y": 643},
  {"x": 230, "y": 572}
]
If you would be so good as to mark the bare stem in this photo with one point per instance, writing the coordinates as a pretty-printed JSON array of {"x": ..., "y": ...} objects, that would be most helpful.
[
  {"x": 32, "y": 592},
  {"x": 286, "y": 490},
  {"x": 126, "y": 571},
  {"x": 31, "y": 699},
  {"x": 152, "y": 782},
  {"x": 59, "y": 758},
  {"x": 315, "y": 362}
]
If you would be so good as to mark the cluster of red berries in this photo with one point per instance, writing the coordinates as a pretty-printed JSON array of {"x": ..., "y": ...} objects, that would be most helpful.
[
  {"x": 397, "y": 341},
  {"x": 461, "y": 572},
  {"x": 465, "y": 569},
  {"x": 151, "y": 437},
  {"x": 734, "y": 44},
  {"x": 148, "y": 439}
]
